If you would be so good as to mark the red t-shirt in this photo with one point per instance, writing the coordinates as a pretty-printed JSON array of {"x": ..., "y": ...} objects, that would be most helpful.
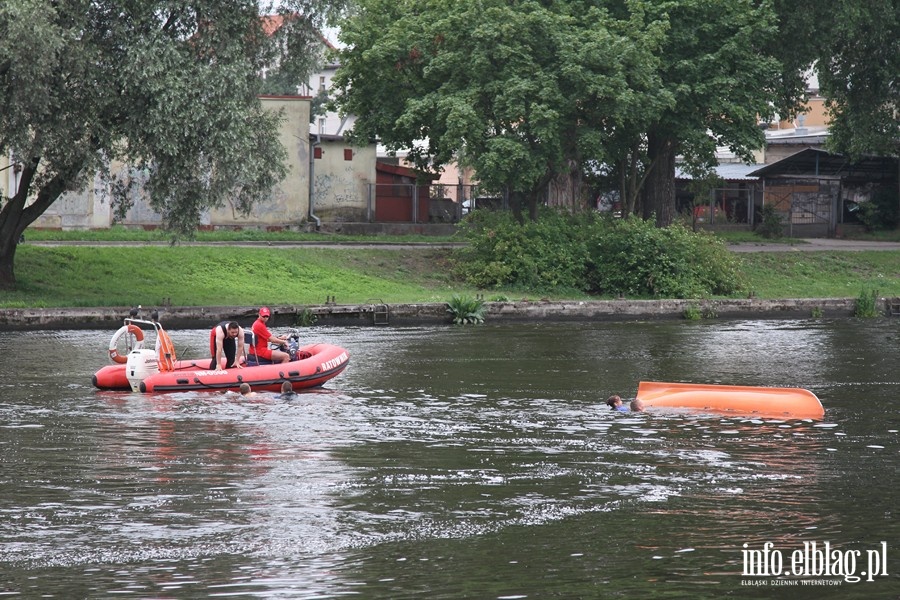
[{"x": 262, "y": 333}]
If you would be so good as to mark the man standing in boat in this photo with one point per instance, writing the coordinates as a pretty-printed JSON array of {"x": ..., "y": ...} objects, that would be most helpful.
[
  {"x": 226, "y": 338},
  {"x": 264, "y": 337}
]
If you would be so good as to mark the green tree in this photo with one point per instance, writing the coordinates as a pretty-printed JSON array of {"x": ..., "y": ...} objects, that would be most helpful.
[
  {"x": 859, "y": 75},
  {"x": 167, "y": 89},
  {"x": 522, "y": 91},
  {"x": 853, "y": 47},
  {"x": 724, "y": 67},
  {"x": 715, "y": 64},
  {"x": 298, "y": 49},
  {"x": 802, "y": 27}
]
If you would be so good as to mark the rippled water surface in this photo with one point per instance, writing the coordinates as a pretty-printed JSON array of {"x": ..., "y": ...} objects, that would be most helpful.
[{"x": 475, "y": 462}]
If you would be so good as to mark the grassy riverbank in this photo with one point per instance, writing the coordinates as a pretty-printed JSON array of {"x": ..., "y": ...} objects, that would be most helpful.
[{"x": 80, "y": 276}]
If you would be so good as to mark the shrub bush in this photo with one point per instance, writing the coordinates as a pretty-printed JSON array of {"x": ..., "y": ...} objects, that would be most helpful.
[
  {"x": 771, "y": 226},
  {"x": 867, "y": 304},
  {"x": 881, "y": 211},
  {"x": 596, "y": 254},
  {"x": 547, "y": 254},
  {"x": 635, "y": 258},
  {"x": 466, "y": 310}
]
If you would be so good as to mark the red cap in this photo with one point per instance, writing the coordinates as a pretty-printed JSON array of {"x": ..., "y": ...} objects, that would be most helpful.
[{"x": 264, "y": 311}]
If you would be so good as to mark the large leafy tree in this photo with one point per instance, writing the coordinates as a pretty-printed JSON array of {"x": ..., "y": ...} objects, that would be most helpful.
[
  {"x": 853, "y": 47},
  {"x": 168, "y": 89},
  {"x": 715, "y": 63},
  {"x": 522, "y": 90},
  {"x": 859, "y": 74},
  {"x": 730, "y": 63}
]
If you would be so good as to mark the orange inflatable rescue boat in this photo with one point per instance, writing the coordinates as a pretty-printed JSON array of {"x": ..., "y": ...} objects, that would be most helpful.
[
  {"x": 738, "y": 400},
  {"x": 158, "y": 370}
]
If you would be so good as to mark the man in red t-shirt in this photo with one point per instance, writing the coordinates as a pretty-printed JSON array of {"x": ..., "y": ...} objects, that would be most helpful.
[{"x": 264, "y": 337}]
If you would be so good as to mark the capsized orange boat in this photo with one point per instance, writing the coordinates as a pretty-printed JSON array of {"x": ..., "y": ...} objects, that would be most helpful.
[
  {"x": 154, "y": 371},
  {"x": 751, "y": 401}
]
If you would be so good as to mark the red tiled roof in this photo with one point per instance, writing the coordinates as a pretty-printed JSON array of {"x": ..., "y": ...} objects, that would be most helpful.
[{"x": 272, "y": 23}]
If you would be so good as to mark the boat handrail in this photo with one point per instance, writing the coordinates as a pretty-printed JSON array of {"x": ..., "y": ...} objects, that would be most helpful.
[
  {"x": 164, "y": 347},
  {"x": 155, "y": 324}
]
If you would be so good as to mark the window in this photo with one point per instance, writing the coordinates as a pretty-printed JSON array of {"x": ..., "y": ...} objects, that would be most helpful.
[
  {"x": 317, "y": 152},
  {"x": 348, "y": 153}
]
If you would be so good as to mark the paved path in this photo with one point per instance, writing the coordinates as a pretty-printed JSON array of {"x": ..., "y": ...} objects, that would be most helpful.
[
  {"x": 799, "y": 245},
  {"x": 251, "y": 244},
  {"x": 814, "y": 245}
]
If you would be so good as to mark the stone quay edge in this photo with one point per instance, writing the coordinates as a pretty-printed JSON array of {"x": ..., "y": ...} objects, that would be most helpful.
[{"x": 191, "y": 317}]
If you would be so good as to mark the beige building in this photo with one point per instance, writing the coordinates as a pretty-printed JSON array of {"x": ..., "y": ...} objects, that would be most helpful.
[
  {"x": 288, "y": 204},
  {"x": 335, "y": 173},
  {"x": 341, "y": 175}
]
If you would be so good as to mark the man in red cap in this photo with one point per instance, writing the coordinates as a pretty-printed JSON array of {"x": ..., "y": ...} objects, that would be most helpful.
[{"x": 264, "y": 337}]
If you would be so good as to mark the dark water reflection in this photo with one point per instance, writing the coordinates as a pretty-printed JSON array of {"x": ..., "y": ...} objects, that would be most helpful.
[{"x": 450, "y": 463}]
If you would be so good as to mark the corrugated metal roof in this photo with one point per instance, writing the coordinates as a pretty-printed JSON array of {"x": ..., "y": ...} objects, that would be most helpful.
[
  {"x": 728, "y": 172},
  {"x": 813, "y": 162}
]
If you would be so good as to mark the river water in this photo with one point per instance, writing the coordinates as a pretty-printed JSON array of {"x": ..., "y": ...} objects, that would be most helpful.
[{"x": 459, "y": 462}]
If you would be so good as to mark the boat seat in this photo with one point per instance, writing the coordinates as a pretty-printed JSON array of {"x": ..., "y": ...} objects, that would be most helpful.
[{"x": 249, "y": 346}]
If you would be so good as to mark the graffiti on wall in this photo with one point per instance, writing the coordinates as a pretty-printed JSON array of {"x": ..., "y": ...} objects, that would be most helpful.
[
  {"x": 340, "y": 195},
  {"x": 339, "y": 190}
]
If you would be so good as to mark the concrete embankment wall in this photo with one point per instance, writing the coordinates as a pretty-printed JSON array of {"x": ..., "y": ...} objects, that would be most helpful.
[{"x": 434, "y": 313}]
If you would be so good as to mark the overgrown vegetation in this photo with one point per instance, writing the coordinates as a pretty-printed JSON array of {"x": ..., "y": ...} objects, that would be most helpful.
[
  {"x": 867, "y": 304},
  {"x": 466, "y": 310},
  {"x": 692, "y": 312},
  {"x": 596, "y": 255},
  {"x": 771, "y": 226},
  {"x": 547, "y": 254},
  {"x": 880, "y": 213},
  {"x": 695, "y": 312},
  {"x": 305, "y": 318},
  {"x": 635, "y": 258}
]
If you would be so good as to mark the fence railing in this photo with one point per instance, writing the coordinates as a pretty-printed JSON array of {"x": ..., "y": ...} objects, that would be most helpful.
[
  {"x": 724, "y": 206},
  {"x": 802, "y": 204},
  {"x": 415, "y": 203}
]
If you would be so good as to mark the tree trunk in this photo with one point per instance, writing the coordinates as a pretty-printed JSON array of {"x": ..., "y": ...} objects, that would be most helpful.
[
  {"x": 11, "y": 229},
  {"x": 16, "y": 216},
  {"x": 565, "y": 190},
  {"x": 630, "y": 182},
  {"x": 517, "y": 203},
  {"x": 659, "y": 187},
  {"x": 533, "y": 199},
  {"x": 7, "y": 274}
]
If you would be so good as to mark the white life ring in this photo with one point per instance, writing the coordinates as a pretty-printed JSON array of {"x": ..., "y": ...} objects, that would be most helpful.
[{"x": 133, "y": 330}]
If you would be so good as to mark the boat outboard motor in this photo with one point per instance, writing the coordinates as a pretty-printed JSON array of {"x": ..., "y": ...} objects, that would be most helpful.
[
  {"x": 140, "y": 365},
  {"x": 293, "y": 345}
]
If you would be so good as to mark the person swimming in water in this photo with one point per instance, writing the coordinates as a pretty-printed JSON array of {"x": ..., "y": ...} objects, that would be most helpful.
[
  {"x": 615, "y": 403},
  {"x": 287, "y": 391}
]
